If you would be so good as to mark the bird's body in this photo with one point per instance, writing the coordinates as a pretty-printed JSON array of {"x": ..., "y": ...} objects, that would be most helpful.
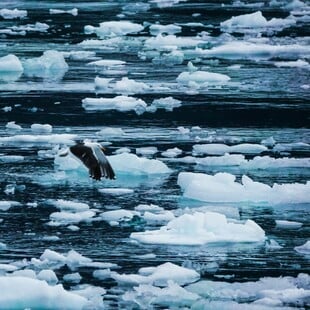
[{"x": 93, "y": 157}]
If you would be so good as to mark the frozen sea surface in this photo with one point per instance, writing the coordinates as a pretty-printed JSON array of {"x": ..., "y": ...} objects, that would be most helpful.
[{"x": 203, "y": 108}]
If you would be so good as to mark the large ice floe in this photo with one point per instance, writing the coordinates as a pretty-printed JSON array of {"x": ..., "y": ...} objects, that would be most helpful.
[
  {"x": 50, "y": 65},
  {"x": 223, "y": 187},
  {"x": 200, "y": 228},
  {"x": 11, "y": 68},
  {"x": 120, "y": 103},
  {"x": 113, "y": 28},
  {"x": 256, "y": 22},
  {"x": 124, "y": 163},
  {"x": 12, "y": 14}
]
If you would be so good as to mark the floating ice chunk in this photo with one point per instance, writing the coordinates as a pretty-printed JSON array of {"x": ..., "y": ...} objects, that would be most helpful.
[
  {"x": 103, "y": 83},
  {"x": 12, "y": 14},
  {"x": 7, "y": 268},
  {"x": 12, "y": 126},
  {"x": 269, "y": 142},
  {"x": 37, "y": 27},
  {"x": 295, "y": 4},
  {"x": 48, "y": 275},
  {"x": 288, "y": 224},
  {"x": 72, "y": 277},
  {"x": 171, "y": 296},
  {"x": 6, "y": 205},
  {"x": 41, "y": 128},
  {"x": 67, "y": 205},
  {"x": 171, "y": 42},
  {"x": 147, "y": 150},
  {"x": 113, "y": 28},
  {"x": 159, "y": 276},
  {"x": 163, "y": 216},
  {"x": 120, "y": 103},
  {"x": 123, "y": 150},
  {"x": 132, "y": 164},
  {"x": 127, "y": 86},
  {"x": 166, "y": 3},
  {"x": 247, "y": 50},
  {"x": 221, "y": 149},
  {"x": 39, "y": 139},
  {"x": 168, "y": 103},
  {"x": 118, "y": 215},
  {"x": 116, "y": 191},
  {"x": 202, "y": 77},
  {"x": 200, "y": 228},
  {"x": 182, "y": 130},
  {"x": 273, "y": 245},
  {"x": 79, "y": 55},
  {"x": 225, "y": 160},
  {"x": 28, "y": 273},
  {"x": 155, "y": 29},
  {"x": 151, "y": 207},
  {"x": 65, "y": 218},
  {"x": 73, "y": 12},
  {"x": 107, "y": 63},
  {"x": 172, "y": 152},
  {"x": 50, "y": 65},
  {"x": 7, "y": 108},
  {"x": 289, "y": 147},
  {"x": 2, "y": 246},
  {"x": 10, "y": 63},
  {"x": 111, "y": 132},
  {"x": 255, "y": 22},
  {"x": 280, "y": 292},
  {"x": 36, "y": 294},
  {"x": 293, "y": 64},
  {"x": 303, "y": 249}
]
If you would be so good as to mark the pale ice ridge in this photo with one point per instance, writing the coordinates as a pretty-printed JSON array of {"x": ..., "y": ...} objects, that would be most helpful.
[
  {"x": 288, "y": 224},
  {"x": 201, "y": 228},
  {"x": 266, "y": 293},
  {"x": 13, "y": 14},
  {"x": 220, "y": 149},
  {"x": 34, "y": 293},
  {"x": 7, "y": 204},
  {"x": 159, "y": 276},
  {"x": 113, "y": 28},
  {"x": 293, "y": 64},
  {"x": 303, "y": 249},
  {"x": 255, "y": 23},
  {"x": 38, "y": 139},
  {"x": 125, "y": 163},
  {"x": 202, "y": 78},
  {"x": 73, "y": 12},
  {"x": 223, "y": 187}
]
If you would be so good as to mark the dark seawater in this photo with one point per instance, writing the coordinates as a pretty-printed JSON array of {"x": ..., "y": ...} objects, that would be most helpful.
[{"x": 260, "y": 101}]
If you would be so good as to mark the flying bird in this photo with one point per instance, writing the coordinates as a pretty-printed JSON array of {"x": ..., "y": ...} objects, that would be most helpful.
[{"x": 92, "y": 156}]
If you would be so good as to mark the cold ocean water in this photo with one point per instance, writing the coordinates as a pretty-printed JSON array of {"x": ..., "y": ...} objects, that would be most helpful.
[{"x": 203, "y": 109}]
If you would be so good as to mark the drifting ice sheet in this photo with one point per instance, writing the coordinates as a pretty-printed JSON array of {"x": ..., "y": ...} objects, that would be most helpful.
[
  {"x": 200, "y": 228},
  {"x": 222, "y": 187}
]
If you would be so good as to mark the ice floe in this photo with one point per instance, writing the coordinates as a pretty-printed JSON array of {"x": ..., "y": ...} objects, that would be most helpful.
[
  {"x": 116, "y": 191},
  {"x": 7, "y": 204},
  {"x": 220, "y": 149},
  {"x": 167, "y": 103},
  {"x": 10, "y": 63},
  {"x": 39, "y": 139},
  {"x": 155, "y": 29},
  {"x": 223, "y": 187},
  {"x": 114, "y": 28},
  {"x": 201, "y": 228},
  {"x": 68, "y": 205},
  {"x": 12, "y": 14},
  {"x": 293, "y": 64},
  {"x": 159, "y": 276},
  {"x": 11, "y": 158},
  {"x": 127, "y": 86},
  {"x": 120, "y": 103},
  {"x": 34, "y": 293},
  {"x": 50, "y": 65},
  {"x": 265, "y": 293},
  {"x": 172, "y": 152},
  {"x": 255, "y": 22},
  {"x": 288, "y": 224},
  {"x": 41, "y": 128},
  {"x": 147, "y": 150},
  {"x": 303, "y": 249},
  {"x": 13, "y": 126},
  {"x": 73, "y": 12}
]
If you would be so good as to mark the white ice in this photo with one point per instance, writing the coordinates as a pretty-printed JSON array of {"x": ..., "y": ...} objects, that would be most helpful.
[
  {"x": 155, "y": 29},
  {"x": 41, "y": 128},
  {"x": 39, "y": 139},
  {"x": 255, "y": 22},
  {"x": 147, "y": 150},
  {"x": 7, "y": 204},
  {"x": 127, "y": 86},
  {"x": 288, "y": 224},
  {"x": 202, "y": 78},
  {"x": 303, "y": 249},
  {"x": 10, "y": 63},
  {"x": 120, "y": 103},
  {"x": 12, "y": 14},
  {"x": 50, "y": 65},
  {"x": 116, "y": 191},
  {"x": 223, "y": 187},
  {"x": 159, "y": 276},
  {"x": 201, "y": 228},
  {"x": 221, "y": 149},
  {"x": 114, "y": 28},
  {"x": 293, "y": 64},
  {"x": 68, "y": 205},
  {"x": 23, "y": 292},
  {"x": 73, "y": 12},
  {"x": 167, "y": 103},
  {"x": 173, "y": 152},
  {"x": 13, "y": 126},
  {"x": 111, "y": 132}
]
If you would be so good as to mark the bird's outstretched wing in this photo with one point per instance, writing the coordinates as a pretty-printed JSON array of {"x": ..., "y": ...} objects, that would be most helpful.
[{"x": 95, "y": 160}]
